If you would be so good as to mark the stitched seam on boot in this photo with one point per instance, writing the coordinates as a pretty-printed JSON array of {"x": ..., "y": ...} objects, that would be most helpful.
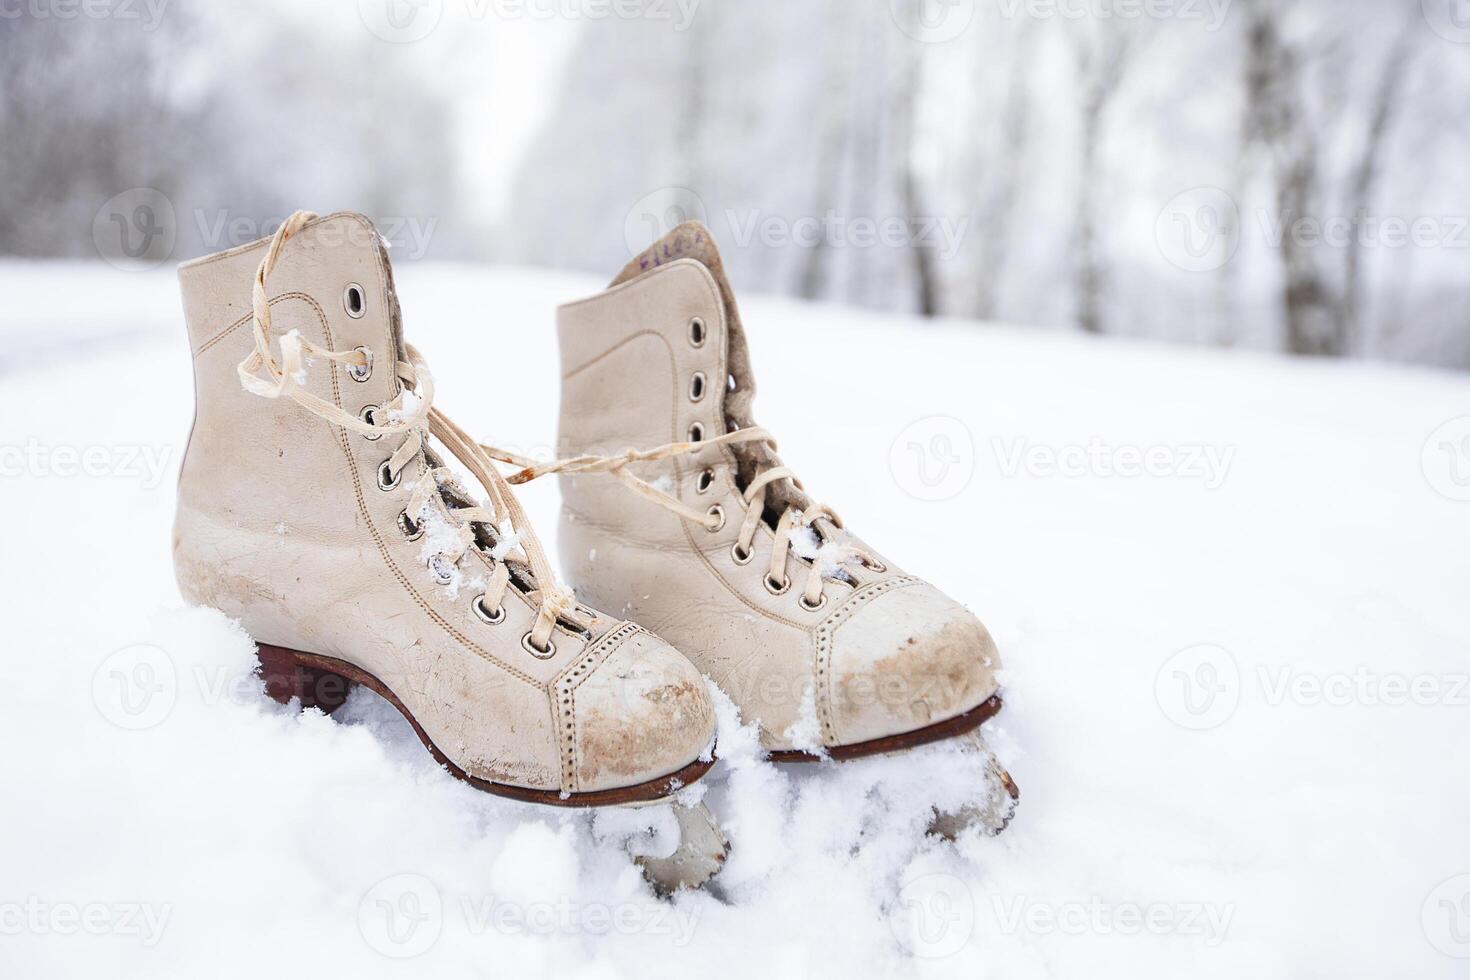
[
  {"x": 568, "y": 724},
  {"x": 248, "y": 317},
  {"x": 717, "y": 304},
  {"x": 826, "y": 634},
  {"x": 351, "y": 461}
]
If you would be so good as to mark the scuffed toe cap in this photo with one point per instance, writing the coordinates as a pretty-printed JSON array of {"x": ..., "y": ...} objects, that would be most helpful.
[
  {"x": 642, "y": 713},
  {"x": 909, "y": 658}
]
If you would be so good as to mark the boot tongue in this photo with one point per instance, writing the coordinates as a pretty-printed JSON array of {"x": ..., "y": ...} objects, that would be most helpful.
[{"x": 692, "y": 240}]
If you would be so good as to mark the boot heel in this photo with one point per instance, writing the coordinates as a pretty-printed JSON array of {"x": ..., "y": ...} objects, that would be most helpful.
[{"x": 289, "y": 674}]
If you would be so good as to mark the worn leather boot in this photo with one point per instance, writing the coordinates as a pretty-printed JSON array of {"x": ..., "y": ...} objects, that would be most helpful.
[
  {"x": 835, "y": 650},
  {"x": 314, "y": 509}
]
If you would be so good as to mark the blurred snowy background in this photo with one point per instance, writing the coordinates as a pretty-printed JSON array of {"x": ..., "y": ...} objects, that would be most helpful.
[
  {"x": 1229, "y": 585},
  {"x": 1279, "y": 174}
]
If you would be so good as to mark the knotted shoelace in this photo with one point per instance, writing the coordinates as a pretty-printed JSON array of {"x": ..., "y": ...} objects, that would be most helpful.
[
  {"x": 411, "y": 415},
  {"x": 794, "y": 530}
]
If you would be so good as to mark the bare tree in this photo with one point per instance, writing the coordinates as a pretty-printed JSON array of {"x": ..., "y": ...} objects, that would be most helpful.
[
  {"x": 834, "y": 123},
  {"x": 1102, "y": 56},
  {"x": 994, "y": 172},
  {"x": 1276, "y": 120},
  {"x": 1386, "y": 102},
  {"x": 909, "y": 90}
]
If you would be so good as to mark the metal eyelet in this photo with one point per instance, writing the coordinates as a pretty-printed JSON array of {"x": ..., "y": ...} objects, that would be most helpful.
[
  {"x": 696, "y": 432},
  {"x": 411, "y": 529},
  {"x": 741, "y": 557},
  {"x": 354, "y": 300},
  {"x": 495, "y": 618},
  {"x": 697, "y": 331},
  {"x": 696, "y": 386},
  {"x": 362, "y": 373},
  {"x": 369, "y": 415},
  {"x": 387, "y": 480},
  {"x": 705, "y": 481},
  {"x": 443, "y": 570},
  {"x": 813, "y": 606},
  {"x": 776, "y": 588},
  {"x": 717, "y": 512},
  {"x": 873, "y": 565},
  {"x": 534, "y": 651}
]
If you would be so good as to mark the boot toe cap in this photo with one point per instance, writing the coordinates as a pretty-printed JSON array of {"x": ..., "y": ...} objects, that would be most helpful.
[
  {"x": 644, "y": 712},
  {"x": 908, "y": 659}
]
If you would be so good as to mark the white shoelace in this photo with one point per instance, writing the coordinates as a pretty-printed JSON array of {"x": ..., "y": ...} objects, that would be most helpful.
[{"x": 410, "y": 414}]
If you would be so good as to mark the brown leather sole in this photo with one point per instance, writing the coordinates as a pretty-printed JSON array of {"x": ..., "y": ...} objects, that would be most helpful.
[
  {"x": 324, "y": 683},
  {"x": 949, "y": 728}
]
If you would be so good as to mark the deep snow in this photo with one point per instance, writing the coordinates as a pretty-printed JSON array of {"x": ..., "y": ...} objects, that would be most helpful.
[{"x": 1236, "y": 688}]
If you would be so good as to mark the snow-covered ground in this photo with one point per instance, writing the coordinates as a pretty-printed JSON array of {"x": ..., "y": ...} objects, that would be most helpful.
[{"x": 1237, "y": 702}]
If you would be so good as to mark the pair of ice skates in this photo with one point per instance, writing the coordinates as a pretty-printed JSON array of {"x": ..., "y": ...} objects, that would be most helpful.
[{"x": 317, "y": 505}]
